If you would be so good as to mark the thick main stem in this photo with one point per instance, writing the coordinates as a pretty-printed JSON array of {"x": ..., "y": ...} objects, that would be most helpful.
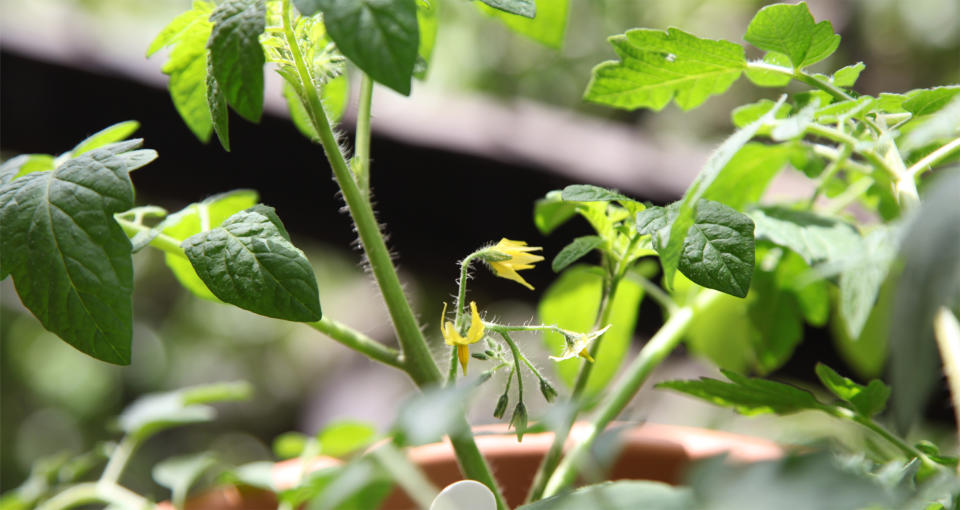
[{"x": 362, "y": 139}]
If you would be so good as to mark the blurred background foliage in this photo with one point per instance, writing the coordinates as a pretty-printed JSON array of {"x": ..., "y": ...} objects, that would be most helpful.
[{"x": 56, "y": 399}]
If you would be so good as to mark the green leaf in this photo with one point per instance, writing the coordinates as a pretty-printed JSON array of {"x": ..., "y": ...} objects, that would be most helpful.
[
  {"x": 180, "y": 473},
  {"x": 158, "y": 411},
  {"x": 865, "y": 400},
  {"x": 217, "y": 103},
  {"x": 236, "y": 56},
  {"x": 428, "y": 416},
  {"x": 525, "y": 8},
  {"x": 814, "y": 237},
  {"x": 548, "y": 27},
  {"x": 846, "y": 77},
  {"x": 574, "y": 251},
  {"x": 250, "y": 262},
  {"x": 790, "y": 30},
  {"x": 290, "y": 445},
  {"x": 943, "y": 124},
  {"x": 748, "y": 113},
  {"x": 112, "y": 134},
  {"x": 427, "y": 20},
  {"x": 747, "y": 175},
  {"x": 718, "y": 249},
  {"x": 657, "y": 66},
  {"x": 551, "y": 212},
  {"x": 925, "y": 102},
  {"x": 765, "y": 78},
  {"x": 572, "y": 303},
  {"x": 379, "y": 36},
  {"x": 670, "y": 251},
  {"x": 201, "y": 217},
  {"x": 863, "y": 275},
  {"x": 621, "y": 495},
  {"x": 70, "y": 260},
  {"x": 24, "y": 164},
  {"x": 776, "y": 320},
  {"x": 930, "y": 279},
  {"x": 748, "y": 396},
  {"x": 345, "y": 437},
  {"x": 590, "y": 193},
  {"x": 334, "y": 96}
]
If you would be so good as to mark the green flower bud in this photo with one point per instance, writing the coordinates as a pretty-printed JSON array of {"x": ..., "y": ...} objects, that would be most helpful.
[
  {"x": 501, "y": 406},
  {"x": 519, "y": 420},
  {"x": 479, "y": 355},
  {"x": 547, "y": 390}
]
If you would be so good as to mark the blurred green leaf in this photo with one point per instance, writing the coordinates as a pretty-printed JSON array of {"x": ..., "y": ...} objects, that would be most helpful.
[
  {"x": 622, "y": 495},
  {"x": 866, "y": 400},
  {"x": 941, "y": 125},
  {"x": 380, "y": 36},
  {"x": 657, "y": 66},
  {"x": 814, "y": 237},
  {"x": 846, "y": 77},
  {"x": 776, "y": 317},
  {"x": 548, "y": 27},
  {"x": 790, "y": 30},
  {"x": 744, "y": 115},
  {"x": 345, "y": 437},
  {"x": 430, "y": 415},
  {"x": 155, "y": 412},
  {"x": 111, "y": 134},
  {"x": 201, "y": 217},
  {"x": 572, "y": 303},
  {"x": 930, "y": 279},
  {"x": 250, "y": 262},
  {"x": 236, "y": 55},
  {"x": 590, "y": 193},
  {"x": 748, "y": 396},
  {"x": 551, "y": 212},
  {"x": 71, "y": 262},
  {"x": 525, "y": 8},
  {"x": 217, "y": 104},
  {"x": 428, "y": 21},
  {"x": 24, "y": 164},
  {"x": 289, "y": 445},
  {"x": 574, "y": 251},
  {"x": 766, "y": 78},
  {"x": 180, "y": 473},
  {"x": 863, "y": 275},
  {"x": 927, "y": 101}
]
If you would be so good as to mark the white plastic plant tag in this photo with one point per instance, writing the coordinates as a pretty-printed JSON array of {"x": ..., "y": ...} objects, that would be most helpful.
[{"x": 465, "y": 495}]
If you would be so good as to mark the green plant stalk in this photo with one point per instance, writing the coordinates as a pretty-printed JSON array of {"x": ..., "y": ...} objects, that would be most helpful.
[
  {"x": 162, "y": 242},
  {"x": 418, "y": 363},
  {"x": 407, "y": 475},
  {"x": 947, "y": 332},
  {"x": 358, "y": 342},
  {"x": 829, "y": 172},
  {"x": 839, "y": 136},
  {"x": 95, "y": 492},
  {"x": 517, "y": 358},
  {"x": 362, "y": 140},
  {"x": 458, "y": 317},
  {"x": 864, "y": 421},
  {"x": 118, "y": 460},
  {"x": 934, "y": 157},
  {"x": 801, "y": 76},
  {"x": 651, "y": 355}
]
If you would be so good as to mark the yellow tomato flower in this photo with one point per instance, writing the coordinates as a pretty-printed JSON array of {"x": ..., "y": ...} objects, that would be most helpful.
[
  {"x": 577, "y": 346},
  {"x": 520, "y": 259},
  {"x": 452, "y": 337}
]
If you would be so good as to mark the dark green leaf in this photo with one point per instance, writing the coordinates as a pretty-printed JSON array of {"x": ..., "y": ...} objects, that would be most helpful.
[
  {"x": 590, "y": 193},
  {"x": 622, "y": 495},
  {"x": 925, "y": 102},
  {"x": 657, "y": 66},
  {"x": 652, "y": 219},
  {"x": 718, "y": 249},
  {"x": 776, "y": 321},
  {"x": 747, "y": 395},
  {"x": 70, "y": 260},
  {"x": 379, "y": 36},
  {"x": 790, "y": 30},
  {"x": 686, "y": 210},
  {"x": 575, "y": 251},
  {"x": 548, "y": 27},
  {"x": 201, "y": 217},
  {"x": 217, "y": 104},
  {"x": 525, "y": 8},
  {"x": 236, "y": 56},
  {"x": 930, "y": 279},
  {"x": 866, "y": 400},
  {"x": 112, "y": 134},
  {"x": 572, "y": 302},
  {"x": 551, "y": 212},
  {"x": 249, "y": 262}
]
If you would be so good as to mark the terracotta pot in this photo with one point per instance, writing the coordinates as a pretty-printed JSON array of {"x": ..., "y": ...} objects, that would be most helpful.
[{"x": 649, "y": 452}]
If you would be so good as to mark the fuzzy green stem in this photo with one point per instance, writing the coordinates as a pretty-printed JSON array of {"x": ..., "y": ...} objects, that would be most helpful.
[
  {"x": 118, "y": 460},
  {"x": 652, "y": 354},
  {"x": 947, "y": 332},
  {"x": 162, "y": 242},
  {"x": 843, "y": 138},
  {"x": 418, "y": 363},
  {"x": 358, "y": 341},
  {"x": 930, "y": 160},
  {"x": 361, "y": 142},
  {"x": 95, "y": 492},
  {"x": 801, "y": 76},
  {"x": 460, "y": 311},
  {"x": 829, "y": 172},
  {"x": 518, "y": 357}
]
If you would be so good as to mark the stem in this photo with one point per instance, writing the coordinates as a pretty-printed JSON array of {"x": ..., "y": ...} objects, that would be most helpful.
[
  {"x": 418, "y": 363},
  {"x": 947, "y": 332},
  {"x": 829, "y": 172},
  {"x": 654, "y": 291},
  {"x": 933, "y": 158},
  {"x": 841, "y": 137},
  {"x": 849, "y": 195},
  {"x": 800, "y": 75},
  {"x": 361, "y": 159},
  {"x": 358, "y": 341},
  {"x": 459, "y": 313},
  {"x": 118, "y": 460},
  {"x": 517, "y": 357},
  {"x": 652, "y": 354},
  {"x": 162, "y": 242},
  {"x": 833, "y": 154},
  {"x": 406, "y": 474},
  {"x": 900, "y": 444},
  {"x": 94, "y": 492}
]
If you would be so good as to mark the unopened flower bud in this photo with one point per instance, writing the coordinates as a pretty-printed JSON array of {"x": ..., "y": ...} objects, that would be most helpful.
[
  {"x": 479, "y": 355},
  {"x": 519, "y": 420},
  {"x": 547, "y": 390},
  {"x": 501, "y": 406}
]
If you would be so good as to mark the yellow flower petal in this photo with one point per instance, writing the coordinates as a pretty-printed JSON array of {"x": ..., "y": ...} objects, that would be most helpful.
[
  {"x": 520, "y": 259},
  {"x": 463, "y": 353},
  {"x": 476, "y": 325}
]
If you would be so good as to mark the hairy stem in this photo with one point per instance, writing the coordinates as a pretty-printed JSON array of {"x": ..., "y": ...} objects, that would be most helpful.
[
  {"x": 361, "y": 158},
  {"x": 802, "y": 76},
  {"x": 934, "y": 157},
  {"x": 652, "y": 354},
  {"x": 358, "y": 341}
]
